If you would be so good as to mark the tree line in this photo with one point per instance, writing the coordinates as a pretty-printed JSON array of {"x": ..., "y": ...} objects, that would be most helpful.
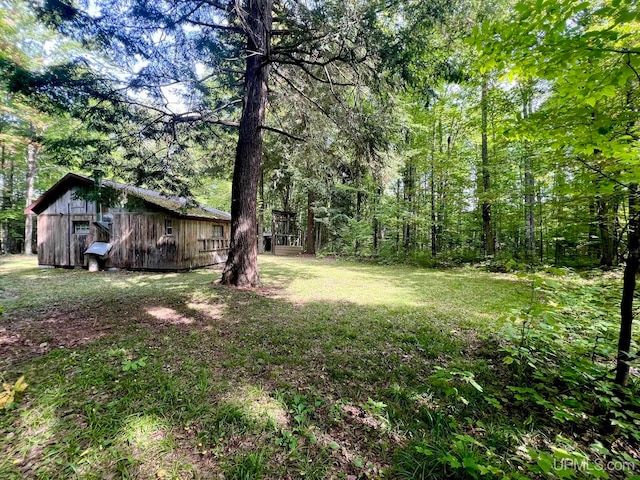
[{"x": 433, "y": 134}]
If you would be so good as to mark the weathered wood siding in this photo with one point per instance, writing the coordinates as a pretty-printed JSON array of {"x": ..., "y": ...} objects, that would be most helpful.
[
  {"x": 139, "y": 239},
  {"x": 198, "y": 246},
  {"x": 53, "y": 240},
  {"x": 58, "y": 245},
  {"x": 139, "y": 242},
  {"x": 67, "y": 204}
]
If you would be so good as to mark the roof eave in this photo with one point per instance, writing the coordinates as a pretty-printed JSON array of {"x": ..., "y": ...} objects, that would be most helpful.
[
  {"x": 35, "y": 207},
  {"x": 61, "y": 185}
]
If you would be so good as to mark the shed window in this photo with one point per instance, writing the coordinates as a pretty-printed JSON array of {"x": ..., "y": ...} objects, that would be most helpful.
[
  {"x": 168, "y": 226},
  {"x": 218, "y": 231},
  {"x": 81, "y": 227}
]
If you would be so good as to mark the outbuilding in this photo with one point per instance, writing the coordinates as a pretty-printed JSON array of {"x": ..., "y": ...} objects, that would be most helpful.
[{"x": 84, "y": 222}]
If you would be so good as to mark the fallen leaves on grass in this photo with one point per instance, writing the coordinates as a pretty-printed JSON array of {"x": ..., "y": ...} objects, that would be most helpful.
[{"x": 8, "y": 394}]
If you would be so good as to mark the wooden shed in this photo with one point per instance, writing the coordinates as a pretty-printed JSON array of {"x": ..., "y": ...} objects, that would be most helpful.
[
  {"x": 126, "y": 227},
  {"x": 286, "y": 237}
]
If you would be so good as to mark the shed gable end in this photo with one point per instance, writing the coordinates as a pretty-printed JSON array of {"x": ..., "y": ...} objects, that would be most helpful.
[{"x": 70, "y": 203}]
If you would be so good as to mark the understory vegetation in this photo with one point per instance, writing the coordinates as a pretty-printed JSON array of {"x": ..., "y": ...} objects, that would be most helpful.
[{"x": 331, "y": 369}]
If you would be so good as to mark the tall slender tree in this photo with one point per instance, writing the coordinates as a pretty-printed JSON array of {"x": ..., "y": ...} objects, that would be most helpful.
[
  {"x": 592, "y": 45},
  {"x": 487, "y": 225}
]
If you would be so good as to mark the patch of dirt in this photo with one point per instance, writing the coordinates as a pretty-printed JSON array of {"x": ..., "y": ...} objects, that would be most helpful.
[
  {"x": 361, "y": 416},
  {"x": 29, "y": 338},
  {"x": 345, "y": 453},
  {"x": 26, "y": 338},
  {"x": 23, "y": 338}
]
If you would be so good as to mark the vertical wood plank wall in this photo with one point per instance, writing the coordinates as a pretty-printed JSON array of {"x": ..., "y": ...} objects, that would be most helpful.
[
  {"x": 53, "y": 240},
  {"x": 66, "y": 204},
  {"x": 198, "y": 247},
  {"x": 138, "y": 241}
]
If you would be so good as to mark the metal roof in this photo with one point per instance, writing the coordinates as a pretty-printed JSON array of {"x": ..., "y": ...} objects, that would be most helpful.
[
  {"x": 98, "y": 248},
  {"x": 174, "y": 204}
]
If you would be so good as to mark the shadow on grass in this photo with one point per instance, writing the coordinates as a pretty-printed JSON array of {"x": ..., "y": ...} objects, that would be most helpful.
[
  {"x": 324, "y": 372},
  {"x": 171, "y": 376}
]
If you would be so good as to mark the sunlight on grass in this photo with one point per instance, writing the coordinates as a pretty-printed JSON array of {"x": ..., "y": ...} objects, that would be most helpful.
[
  {"x": 211, "y": 311},
  {"x": 257, "y": 405},
  {"x": 39, "y": 425},
  {"x": 35, "y": 431},
  {"x": 148, "y": 440},
  {"x": 144, "y": 448},
  {"x": 168, "y": 315},
  {"x": 475, "y": 294},
  {"x": 17, "y": 263},
  {"x": 325, "y": 370}
]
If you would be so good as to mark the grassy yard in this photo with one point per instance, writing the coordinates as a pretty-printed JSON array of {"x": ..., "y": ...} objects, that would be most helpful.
[{"x": 330, "y": 370}]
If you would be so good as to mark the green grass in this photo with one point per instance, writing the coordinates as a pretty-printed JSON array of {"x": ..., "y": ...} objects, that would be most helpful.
[{"x": 327, "y": 371}]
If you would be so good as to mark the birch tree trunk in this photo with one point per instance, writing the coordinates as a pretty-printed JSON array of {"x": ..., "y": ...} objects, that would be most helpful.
[{"x": 32, "y": 168}]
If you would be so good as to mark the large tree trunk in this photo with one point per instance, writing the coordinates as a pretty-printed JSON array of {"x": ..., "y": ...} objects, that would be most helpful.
[
  {"x": 487, "y": 228},
  {"x": 32, "y": 167},
  {"x": 629, "y": 287},
  {"x": 241, "y": 268}
]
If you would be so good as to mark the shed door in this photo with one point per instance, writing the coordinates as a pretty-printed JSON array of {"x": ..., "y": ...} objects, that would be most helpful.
[{"x": 78, "y": 239}]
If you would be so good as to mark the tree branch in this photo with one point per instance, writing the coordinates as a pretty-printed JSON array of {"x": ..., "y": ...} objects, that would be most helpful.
[
  {"x": 302, "y": 65},
  {"x": 601, "y": 173},
  {"x": 282, "y": 132},
  {"x": 305, "y": 96}
]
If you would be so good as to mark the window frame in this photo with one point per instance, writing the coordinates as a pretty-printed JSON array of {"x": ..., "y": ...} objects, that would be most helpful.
[
  {"x": 85, "y": 224},
  {"x": 214, "y": 228}
]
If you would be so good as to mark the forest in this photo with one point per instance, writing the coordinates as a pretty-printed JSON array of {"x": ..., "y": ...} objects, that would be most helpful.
[
  {"x": 474, "y": 131},
  {"x": 488, "y": 136}
]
